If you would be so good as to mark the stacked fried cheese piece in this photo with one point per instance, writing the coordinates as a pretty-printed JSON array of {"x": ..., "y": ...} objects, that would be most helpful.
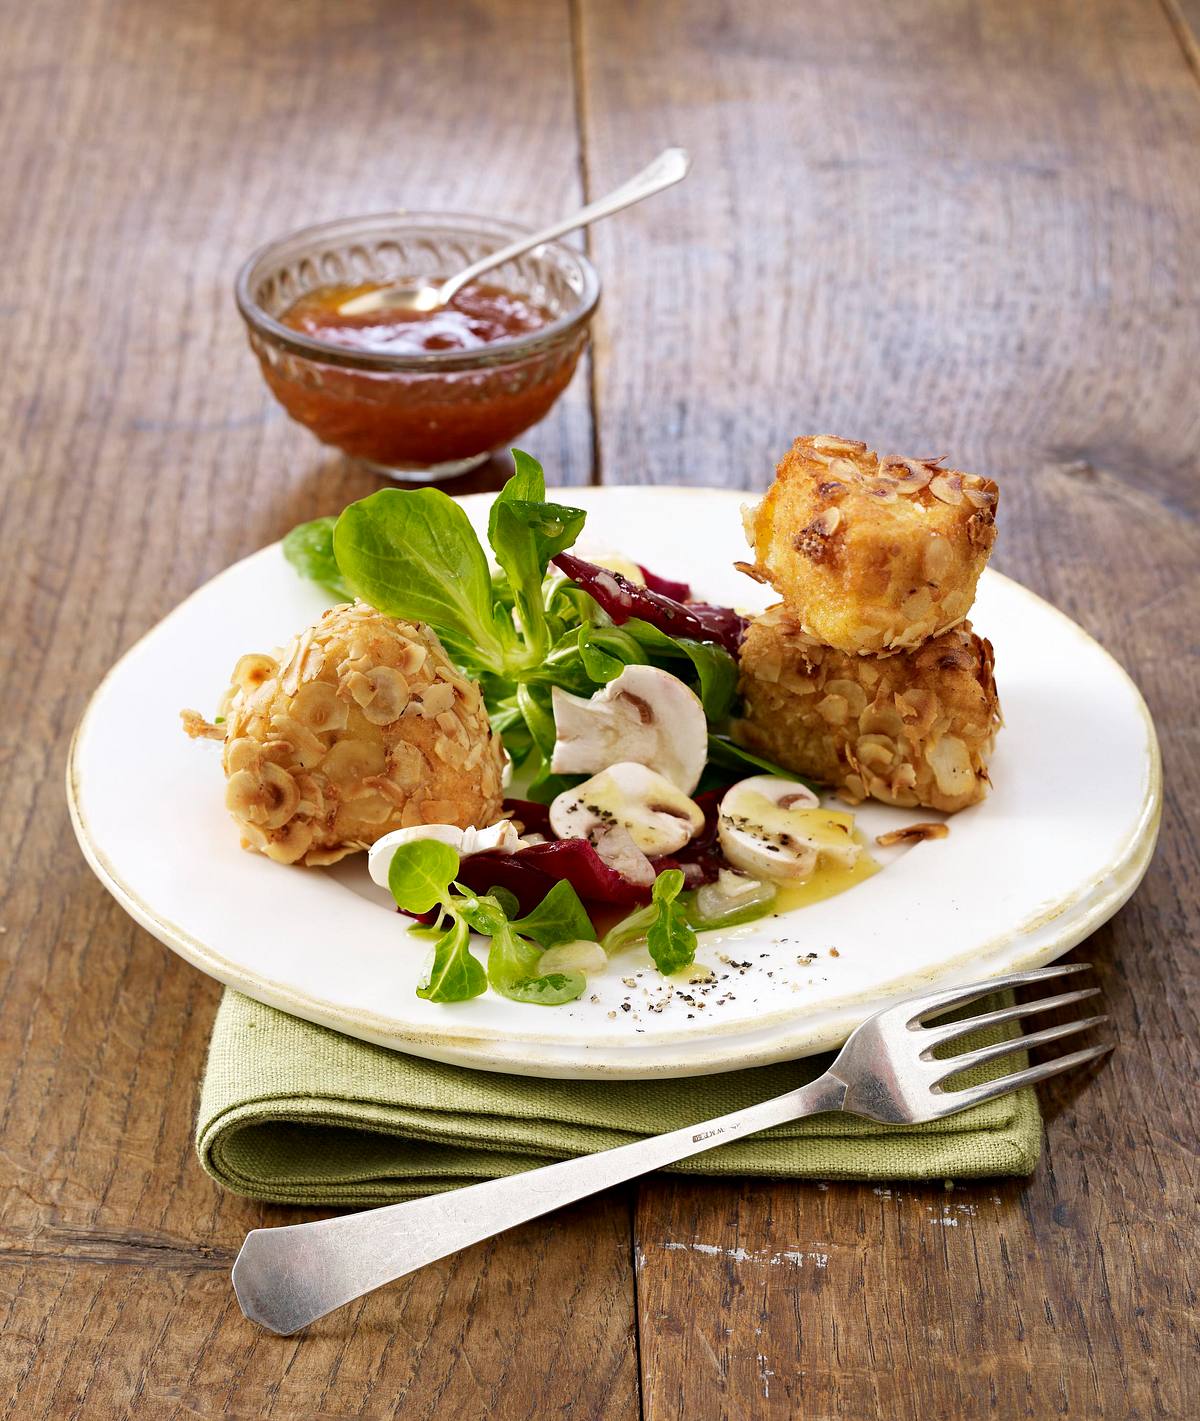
[{"x": 867, "y": 674}]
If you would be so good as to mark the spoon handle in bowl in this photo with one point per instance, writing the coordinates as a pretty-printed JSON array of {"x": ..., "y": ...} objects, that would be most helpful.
[{"x": 671, "y": 166}]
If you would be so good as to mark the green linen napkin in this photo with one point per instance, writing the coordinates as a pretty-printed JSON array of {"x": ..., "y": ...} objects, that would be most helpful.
[{"x": 298, "y": 1114}]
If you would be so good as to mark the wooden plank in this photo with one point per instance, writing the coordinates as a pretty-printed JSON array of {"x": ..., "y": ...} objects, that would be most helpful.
[
  {"x": 941, "y": 229},
  {"x": 964, "y": 231},
  {"x": 1185, "y": 16},
  {"x": 477, "y": 1336},
  {"x": 145, "y": 153}
]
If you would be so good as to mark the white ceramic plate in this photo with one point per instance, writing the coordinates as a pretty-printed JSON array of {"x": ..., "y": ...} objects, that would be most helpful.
[{"x": 1054, "y": 851}]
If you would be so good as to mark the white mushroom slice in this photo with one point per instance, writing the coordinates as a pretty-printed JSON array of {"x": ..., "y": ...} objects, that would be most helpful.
[
  {"x": 501, "y": 837},
  {"x": 622, "y": 855},
  {"x": 776, "y": 828},
  {"x": 657, "y": 816},
  {"x": 644, "y": 715}
]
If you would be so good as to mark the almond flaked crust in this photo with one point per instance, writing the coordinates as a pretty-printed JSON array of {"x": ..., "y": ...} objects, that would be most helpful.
[
  {"x": 359, "y": 726},
  {"x": 910, "y": 729},
  {"x": 872, "y": 554}
]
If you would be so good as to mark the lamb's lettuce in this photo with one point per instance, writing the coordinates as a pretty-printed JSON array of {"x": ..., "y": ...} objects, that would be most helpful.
[
  {"x": 456, "y": 975},
  {"x": 670, "y": 938},
  {"x": 421, "y": 879},
  {"x": 663, "y": 924},
  {"x": 521, "y": 630},
  {"x": 309, "y": 549},
  {"x": 559, "y": 917},
  {"x": 412, "y": 553},
  {"x": 512, "y": 971},
  {"x": 727, "y": 754},
  {"x": 420, "y": 874}
]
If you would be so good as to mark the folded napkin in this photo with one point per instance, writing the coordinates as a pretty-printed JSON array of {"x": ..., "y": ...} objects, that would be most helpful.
[{"x": 298, "y": 1114}]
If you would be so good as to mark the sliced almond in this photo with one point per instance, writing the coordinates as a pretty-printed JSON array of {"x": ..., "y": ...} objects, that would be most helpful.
[
  {"x": 830, "y": 444},
  {"x": 912, "y": 834},
  {"x": 947, "y": 487}
]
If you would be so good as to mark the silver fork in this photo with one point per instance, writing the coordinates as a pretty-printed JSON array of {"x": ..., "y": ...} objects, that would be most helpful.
[{"x": 287, "y": 1277}]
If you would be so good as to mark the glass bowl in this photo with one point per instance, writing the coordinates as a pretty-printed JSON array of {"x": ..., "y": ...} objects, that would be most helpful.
[{"x": 426, "y": 416}]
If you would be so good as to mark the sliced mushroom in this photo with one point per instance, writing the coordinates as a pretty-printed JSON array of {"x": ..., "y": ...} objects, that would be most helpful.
[
  {"x": 615, "y": 848},
  {"x": 655, "y": 813},
  {"x": 502, "y": 837},
  {"x": 776, "y": 828},
  {"x": 645, "y": 715}
]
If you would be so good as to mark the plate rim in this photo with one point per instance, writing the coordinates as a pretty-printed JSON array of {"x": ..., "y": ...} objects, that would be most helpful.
[{"x": 1078, "y": 915}]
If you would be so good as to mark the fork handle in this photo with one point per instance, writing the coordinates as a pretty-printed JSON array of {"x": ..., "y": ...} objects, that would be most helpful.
[{"x": 287, "y": 1277}]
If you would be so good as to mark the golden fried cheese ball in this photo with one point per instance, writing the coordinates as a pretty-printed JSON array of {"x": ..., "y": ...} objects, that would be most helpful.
[
  {"x": 361, "y": 725},
  {"x": 915, "y": 728},
  {"x": 871, "y": 554}
]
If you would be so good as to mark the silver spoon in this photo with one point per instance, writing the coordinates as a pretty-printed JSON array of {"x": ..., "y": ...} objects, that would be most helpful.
[{"x": 670, "y": 167}]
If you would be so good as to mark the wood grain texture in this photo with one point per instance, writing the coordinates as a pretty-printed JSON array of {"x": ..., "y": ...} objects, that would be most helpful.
[
  {"x": 964, "y": 230},
  {"x": 974, "y": 228},
  {"x": 941, "y": 227},
  {"x": 1185, "y": 16},
  {"x": 147, "y": 150}
]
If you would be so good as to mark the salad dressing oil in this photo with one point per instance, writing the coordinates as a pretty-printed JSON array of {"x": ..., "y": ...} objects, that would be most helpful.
[{"x": 827, "y": 880}]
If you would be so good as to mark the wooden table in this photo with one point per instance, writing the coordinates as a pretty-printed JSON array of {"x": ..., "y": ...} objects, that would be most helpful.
[{"x": 944, "y": 227}]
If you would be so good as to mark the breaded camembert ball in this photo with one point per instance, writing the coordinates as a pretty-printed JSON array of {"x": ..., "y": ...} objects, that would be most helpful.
[
  {"x": 360, "y": 726},
  {"x": 910, "y": 729},
  {"x": 872, "y": 555}
]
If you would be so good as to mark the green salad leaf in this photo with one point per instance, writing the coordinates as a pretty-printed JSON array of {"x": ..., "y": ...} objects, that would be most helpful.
[
  {"x": 421, "y": 878},
  {"x": 726, "y": 754},
  {"x": 507, "y": 899},
  {"x": 412, "y": 553},
  {"x": 670, "y": 938},
  {"x": 456, "y": 975},
  {"x": 600, "y": 665},
  {"x": 483, "y": 913},
  {"x": 632, "y": 928},
  {"x": 525, "y": 534},
  {"x": 420, "y": 873},
  {"x": 512, "y": 971},
  {"x": 663, "y": 924},
  {"x": 538, "y": 714},
  {"x": 528, "y": 483},
  {"x": 309, "y": 549},
  {"x": 718, "y": 675},
  {"x": 716, "y": 671},
  {"x": 559, "y": 917}
]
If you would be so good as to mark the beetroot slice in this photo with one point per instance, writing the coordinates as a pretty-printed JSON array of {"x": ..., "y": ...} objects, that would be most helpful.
[
  {"x": 532, "y": 817},
  {"x": 667, "y": 586},
  {"x": 530, "y": 873},
  {"x": 623, "y": 599}
]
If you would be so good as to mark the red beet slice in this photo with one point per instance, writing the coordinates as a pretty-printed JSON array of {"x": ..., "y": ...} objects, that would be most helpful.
[{"x": 623, "y": 599}]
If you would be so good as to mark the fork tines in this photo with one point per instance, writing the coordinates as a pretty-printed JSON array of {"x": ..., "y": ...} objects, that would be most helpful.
[{"x": 939, "y": 1035}]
